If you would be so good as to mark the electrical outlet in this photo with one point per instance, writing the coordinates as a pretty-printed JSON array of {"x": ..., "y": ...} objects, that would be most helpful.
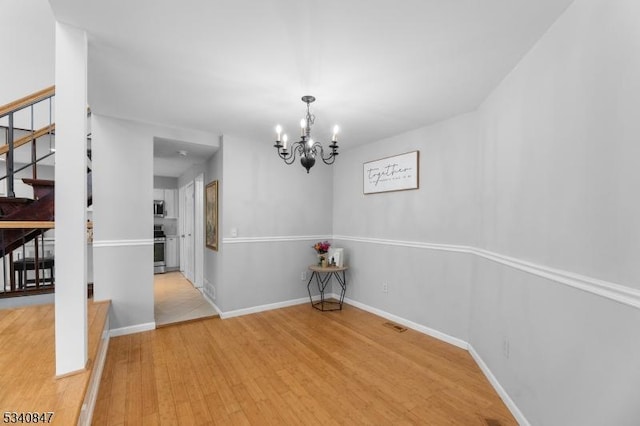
[
  {"x": 303, "y": 276},
  {"x": 385, "y": 288}
]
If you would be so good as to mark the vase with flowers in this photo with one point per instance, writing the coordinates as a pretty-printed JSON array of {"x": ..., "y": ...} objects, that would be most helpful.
[{"x": 322, "y": 249}]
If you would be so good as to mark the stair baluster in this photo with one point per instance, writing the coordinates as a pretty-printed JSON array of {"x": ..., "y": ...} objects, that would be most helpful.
[{"x": 9, "y": 165}]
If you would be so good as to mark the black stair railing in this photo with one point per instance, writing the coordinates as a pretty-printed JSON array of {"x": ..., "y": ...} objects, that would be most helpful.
[
  {"x": 29, "y": 269},
  {"x": 26, "y": 254},
  {"x": 27, "y": 266},
  {"x": 27, "y": 132}
]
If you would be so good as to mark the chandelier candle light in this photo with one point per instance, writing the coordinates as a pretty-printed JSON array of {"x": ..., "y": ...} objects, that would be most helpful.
[{"x": 305, "y": 148}]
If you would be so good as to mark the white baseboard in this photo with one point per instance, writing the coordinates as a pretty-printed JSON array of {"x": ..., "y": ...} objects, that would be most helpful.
[
  {"x": 138, "y": 328},
  {"x": 89, "y": 404},
  {"x": 511, "y": 405},
  {"x": 262, "y": 308},
  {"x": 212, "y": 303},
  {"x": 515, "y": 411},
  {"x": 412, "y": 325}
]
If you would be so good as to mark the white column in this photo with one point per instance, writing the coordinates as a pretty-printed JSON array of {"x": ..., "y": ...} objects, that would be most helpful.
[{"x": 71, "y": 199}]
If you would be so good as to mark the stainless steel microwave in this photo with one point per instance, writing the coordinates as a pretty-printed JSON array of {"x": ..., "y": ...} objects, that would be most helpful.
[{"x": 158, "y": 208}]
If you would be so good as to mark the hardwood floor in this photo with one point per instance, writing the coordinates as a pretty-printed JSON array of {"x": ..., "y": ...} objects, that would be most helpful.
[
  {"x": 27, "y": 382},
  {"x": 177, "y": 300},
  {"x": 293, "y": 366}
]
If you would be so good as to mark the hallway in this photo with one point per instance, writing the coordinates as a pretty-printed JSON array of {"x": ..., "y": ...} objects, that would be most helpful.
[{"x": 177, "y": 300}]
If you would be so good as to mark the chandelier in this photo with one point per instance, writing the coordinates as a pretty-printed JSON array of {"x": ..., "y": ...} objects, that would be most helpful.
[{"x": 305, "y": 148}]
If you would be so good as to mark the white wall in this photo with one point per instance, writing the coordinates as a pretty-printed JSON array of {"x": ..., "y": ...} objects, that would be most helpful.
[{"x": 27, "y": 65}]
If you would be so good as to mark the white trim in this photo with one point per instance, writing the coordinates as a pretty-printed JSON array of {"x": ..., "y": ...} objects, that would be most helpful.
[
  {"x": 619, "y": 293},
  {"x": 289, "y": 238},
  {"x": 212, "y": 303},
  {"x": 407, "y": 323},
  {"x": 511, "y": 405},
  {"x": 91, "y": 396},
  {"x": 262, "y": 308},
  {"x": 616, "y": 292},
  {"x": 122, "y": 243},
  {"x": 410, "y": 244},
  {"x": 138, "y": 328}
]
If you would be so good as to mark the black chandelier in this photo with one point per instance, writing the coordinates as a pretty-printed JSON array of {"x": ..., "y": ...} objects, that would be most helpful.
[{"x": 305, "y": 148}]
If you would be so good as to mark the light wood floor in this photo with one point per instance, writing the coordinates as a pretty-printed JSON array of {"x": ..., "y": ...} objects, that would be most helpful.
[
  {"x": 177, "y": 300},
  {"x": 293, "y": 366},
  {"x": 27, "y": 359}
]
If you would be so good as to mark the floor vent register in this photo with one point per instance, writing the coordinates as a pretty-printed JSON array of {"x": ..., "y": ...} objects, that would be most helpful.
[{"x": 395, "y": 327}]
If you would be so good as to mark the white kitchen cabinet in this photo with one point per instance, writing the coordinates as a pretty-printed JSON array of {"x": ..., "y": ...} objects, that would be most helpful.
[
  {"x": 158, "y": 194},
  {"x": 171, "y": 203},
  {"x": 172, "y": 254}
]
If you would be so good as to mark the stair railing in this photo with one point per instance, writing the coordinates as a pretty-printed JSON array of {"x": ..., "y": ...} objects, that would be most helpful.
[
  {"x": 16, "y": 265},
  {"x": 8, "y": 111},
  {"x": 23, "y": 260}
]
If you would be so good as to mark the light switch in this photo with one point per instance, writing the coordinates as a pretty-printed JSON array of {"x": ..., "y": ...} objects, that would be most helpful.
[{"x": 234, "y": 232}]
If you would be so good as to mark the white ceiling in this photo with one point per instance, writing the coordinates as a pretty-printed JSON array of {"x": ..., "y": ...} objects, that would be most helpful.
[
  {"x": 376, "y": 67},
  {"x": 167, "y": 158}
]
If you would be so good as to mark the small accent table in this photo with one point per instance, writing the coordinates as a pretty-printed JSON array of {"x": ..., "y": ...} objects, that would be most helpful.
[{"x": 322, "y": 276}]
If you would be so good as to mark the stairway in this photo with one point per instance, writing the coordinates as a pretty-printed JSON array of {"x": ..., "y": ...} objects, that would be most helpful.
[
  {"x": 41, "y": 208},
  {"x": 27, "y": 134}
]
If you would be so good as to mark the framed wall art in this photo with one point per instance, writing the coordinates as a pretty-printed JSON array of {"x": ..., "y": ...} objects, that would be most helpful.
[
  {"x": 396, "y": 173},
  {"x": 211, "y": 215}
]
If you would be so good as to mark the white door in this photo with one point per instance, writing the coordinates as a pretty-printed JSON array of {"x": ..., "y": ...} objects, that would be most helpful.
[
  {"x": 199, "y": 231},
  {"x": 181, "y": 227},
  {"x": 188, "y": 232}
]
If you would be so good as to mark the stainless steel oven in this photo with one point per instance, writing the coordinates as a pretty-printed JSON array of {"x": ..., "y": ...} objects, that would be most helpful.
[{"x": 159, "y": 250}]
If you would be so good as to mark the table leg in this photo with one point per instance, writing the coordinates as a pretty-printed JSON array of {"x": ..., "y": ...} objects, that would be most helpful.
[
  {"x": 322, "y": 280},
  {"x": 343, "y": 284}
]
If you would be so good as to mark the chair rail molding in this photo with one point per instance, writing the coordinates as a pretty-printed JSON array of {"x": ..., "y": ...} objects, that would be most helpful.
[
  {"x": 123, "y": 243},
  {"x": 274, "y": 239},
  {"x": 616, "y": 292}
]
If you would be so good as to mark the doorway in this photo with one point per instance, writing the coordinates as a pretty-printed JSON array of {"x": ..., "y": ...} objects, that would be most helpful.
[
  {"x": 178, "y": 295},
  {"x": 192, "y": 230}
]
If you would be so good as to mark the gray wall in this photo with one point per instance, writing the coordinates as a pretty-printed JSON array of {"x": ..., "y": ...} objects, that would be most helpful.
[
  {"x": 430, "y": 287},
  {"x": 278, "y": 212},
  {"x": 523, "y": 237},
  {"x": 165, "y": 182},
  {"x": 560, "y": 179},
  {"x": 123, "y": 219}
]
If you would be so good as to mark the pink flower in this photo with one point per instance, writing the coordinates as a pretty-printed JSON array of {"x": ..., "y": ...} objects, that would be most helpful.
[{"x": 321, "y": 247}]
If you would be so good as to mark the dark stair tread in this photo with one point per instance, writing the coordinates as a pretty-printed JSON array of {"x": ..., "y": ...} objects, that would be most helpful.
[
  {"x": 41, "y": 187},
  {"x": 15, "y": 200},
  {"x": 10, "y": 204},
  {"x": 40, "y": 182},
  {"x": 40, "y": 210}
]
